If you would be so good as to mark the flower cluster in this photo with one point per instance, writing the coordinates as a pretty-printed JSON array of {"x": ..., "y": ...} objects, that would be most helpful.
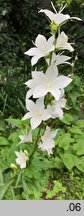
[{"x": 47, "y": 87}]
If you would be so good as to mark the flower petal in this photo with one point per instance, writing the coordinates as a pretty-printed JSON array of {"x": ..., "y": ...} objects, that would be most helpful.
[
  {"x": 63, "y": 81},
  {"x": 40, "y": 41},
  {"x": 31, "y": 52},
  {"x": 62, "y": 102},
  {"x": 30, "y": 105},
  {"x": 48, "y": 13},
  {"x": 40, "y": 103},
  {"x": 58, "y": 113},
  {"x": 53, "y": 134},
  {"x": 56, "y": 93},
  {"x": 35, "y": 59},
  {"x": 52, "y": 71},
  {"x": 50, "y": 44},
  {"x": 17, "y": 153},
  {"x": 29, "y": 83},
  {"x": 29, "y": 94},
  {"x": 75, "y": 18},
  {"x": 46, "y": 115},
  {"x": 60, "y": 18},
  {"x": 23, "y": 165},
  {"x": 35, "y": 122},
  {"x": 35, "y": 74},
  {"x": 26, "y": 116},
  {"x": 61, "y": 39},
  {"x": 68, "y": 47},
  {"x": 39, "y": 91}
]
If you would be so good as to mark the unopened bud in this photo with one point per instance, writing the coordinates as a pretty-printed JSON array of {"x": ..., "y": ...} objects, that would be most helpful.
[
  {"x": 25, "y": 151},
  {"x": 13, "y": 166},
  {"x": 54, "y": 27}
]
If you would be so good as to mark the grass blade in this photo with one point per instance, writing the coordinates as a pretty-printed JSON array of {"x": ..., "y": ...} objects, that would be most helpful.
[{"x": 4, "y": 189}]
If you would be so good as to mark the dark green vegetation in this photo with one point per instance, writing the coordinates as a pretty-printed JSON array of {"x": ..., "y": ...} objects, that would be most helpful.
[
  {"x": 44, "y": 178},
  {"x": 60, "y": 177}
]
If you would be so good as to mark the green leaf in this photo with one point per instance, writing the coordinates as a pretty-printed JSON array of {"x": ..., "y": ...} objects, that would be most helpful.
[
  {"x": 4, "y": 189},
  {"x": 80, "y": 123},
  {"x": 37, "y": 194},
  {"x": 64, "y": 141},
  {"x": 18, "y": 122},
  {"x": 69, "y": 160},
  {"x": 15, "y": 122},
  {"x": 77, "y": 80},
  {"x": 1, "y": 177},
  {"x": 74, "y": 97},
  {"x": 76, "y": 130},
  {"x": 41, "y": 164},
  {"x": 58, "y": 163},
  {"x": 3, "y": 141},
  {"x": 67, "y": 119},
  {"x": 79, "y": 137},
  {"x": 2, "y": 125},
  {"x": 80, "y": 164},
  {"x": 79, "y": 147},
  {"x": 38, "y": 166},
  {"x": 56, "y": 189},
  {"x": 14, "y": 137},
  {"x": 31, "y": 191},
  {"x": 2, "y": 128}
]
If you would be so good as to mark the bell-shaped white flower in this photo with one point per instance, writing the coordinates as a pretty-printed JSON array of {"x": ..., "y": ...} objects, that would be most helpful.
[
  {"x": 37, "y": 112},
  {"x": 26, "y": 138},
  {"x": 21, "y": 159},
  {"x": 47, "y": 140},
  {"x": 52, "y": 83},
  {"x": 42, "y": 48},
  {"x": 62, "y": 42},
  {"x": 59, "y": 18},
  {"x": 56, "y": 110},
  {"x": 59, "y": 59}
]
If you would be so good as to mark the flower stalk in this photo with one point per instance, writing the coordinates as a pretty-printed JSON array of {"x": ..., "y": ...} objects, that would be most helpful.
[{"x": 35, "y": 145}]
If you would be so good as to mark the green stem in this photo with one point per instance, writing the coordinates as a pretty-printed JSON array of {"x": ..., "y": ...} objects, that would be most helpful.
[
  {"x": 18, "y": 179},
  {"x": 50, "y": 59},
  {"x": 35, "y": 145}
]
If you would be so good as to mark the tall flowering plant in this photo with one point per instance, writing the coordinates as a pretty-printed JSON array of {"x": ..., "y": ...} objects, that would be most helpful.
[{"x": 45, "y": 98}]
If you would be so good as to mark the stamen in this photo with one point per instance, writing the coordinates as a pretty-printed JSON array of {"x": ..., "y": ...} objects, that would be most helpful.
[
  {"x": 61, "y": 53},
  {"x": 33, "y": 42},
  {"x": 58, "y": 32},
  {"x": 61, "y": 9},
  {"x": 53, "y": 7}
]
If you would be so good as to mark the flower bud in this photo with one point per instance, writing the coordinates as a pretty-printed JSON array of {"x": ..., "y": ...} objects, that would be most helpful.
[
  {"x": 54, "y": 27},
  {"x": 13, "y": 166}
]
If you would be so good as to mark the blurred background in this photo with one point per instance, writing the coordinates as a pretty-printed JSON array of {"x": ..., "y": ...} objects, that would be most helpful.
[{"x": 20, "y": 24}]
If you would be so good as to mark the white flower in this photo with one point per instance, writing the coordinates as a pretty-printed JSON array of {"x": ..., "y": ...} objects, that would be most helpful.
[
  {"x": 21, "y": 159},
  {"x": 37, "y": 112},
  {"x": 47, "y": 140},
  {"x": 59, "y": 17},
  {"x": 62, "y": 42},
  {"x": 33, "y": 83},
  {"x": 43, "y": 48},
  {"x": 26, "y": 138},
  {"x": 59, "y": 59},
  {"x": 56, "y": 109},
  {"x": 52, "y": 83}
]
